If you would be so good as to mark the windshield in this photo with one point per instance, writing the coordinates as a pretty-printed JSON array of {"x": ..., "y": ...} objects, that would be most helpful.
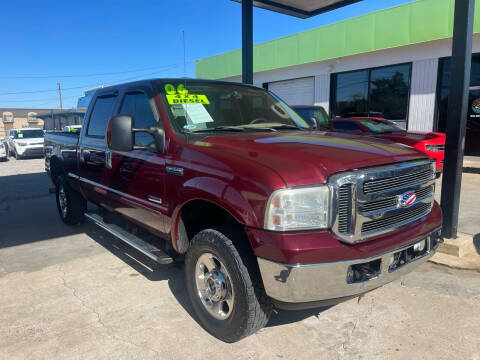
[
  {"x": 197, "y": 106},
  {"x": 28, "y": 134},
  {"x": 380, "y": 126}
]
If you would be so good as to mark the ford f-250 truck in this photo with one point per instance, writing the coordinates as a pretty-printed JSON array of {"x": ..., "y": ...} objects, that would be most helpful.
[{"x": 265, "y": 212}]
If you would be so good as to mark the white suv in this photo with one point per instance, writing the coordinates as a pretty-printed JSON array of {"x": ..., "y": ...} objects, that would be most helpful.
[
  {"x": 25, "y": 142},
  {"x": 3, "y": 150}
]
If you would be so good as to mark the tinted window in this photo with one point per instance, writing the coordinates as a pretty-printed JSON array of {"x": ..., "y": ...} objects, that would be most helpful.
[
  {"x": 345, "y": 126},
  {"x": 389, "y": 89},
  {"x": 351, "y": 92},
  {"x": 28, "y": 134},
  {"x": 138, "y": 106},
  {"x": 101, "y": 113},
  {"x": 384, "y": 90}
]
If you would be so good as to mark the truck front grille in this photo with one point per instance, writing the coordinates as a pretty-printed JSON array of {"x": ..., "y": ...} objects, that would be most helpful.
[
  {"x": 344, "y": 208},
  {"x": 397, "y": 182},
  {"x": 407, "y": 216},
  {"x": 368, "y": 201}
]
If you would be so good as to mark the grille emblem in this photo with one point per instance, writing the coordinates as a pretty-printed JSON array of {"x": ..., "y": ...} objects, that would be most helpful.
[{"x": 407, "y": 199}]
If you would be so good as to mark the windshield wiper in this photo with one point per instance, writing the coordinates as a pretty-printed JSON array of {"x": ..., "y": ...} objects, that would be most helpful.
[{"x": 216, "y": 128}]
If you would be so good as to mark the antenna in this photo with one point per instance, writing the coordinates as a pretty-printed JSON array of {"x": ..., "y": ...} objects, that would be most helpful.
[{"x": 184, "y": 56}]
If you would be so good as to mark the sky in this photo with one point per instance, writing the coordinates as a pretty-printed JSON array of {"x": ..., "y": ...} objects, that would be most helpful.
[{"x": 84, "y": 44}]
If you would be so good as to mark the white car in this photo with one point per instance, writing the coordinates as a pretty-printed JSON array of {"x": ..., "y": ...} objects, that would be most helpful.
[
  {"x": 73, "y": 128},
  {"x": 25, "y": 142},
  {"x": 3, "y": 151}
]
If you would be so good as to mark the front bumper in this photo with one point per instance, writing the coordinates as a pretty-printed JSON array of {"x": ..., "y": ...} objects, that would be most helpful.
[
  {"x": 36, "y": 150},
  {"x": 325, "y": 281}
]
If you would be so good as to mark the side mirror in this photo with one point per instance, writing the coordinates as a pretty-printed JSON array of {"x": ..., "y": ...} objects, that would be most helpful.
[{"x": 121, "y": 134}]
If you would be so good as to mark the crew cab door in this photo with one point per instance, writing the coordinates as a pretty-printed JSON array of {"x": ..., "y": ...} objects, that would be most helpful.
[
  {"x": 93, "y": 154},
  {"x": 137, "y": 178}
]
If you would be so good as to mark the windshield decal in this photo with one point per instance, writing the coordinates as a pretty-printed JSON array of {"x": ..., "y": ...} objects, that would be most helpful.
[
  {"x": 180, "y": 95},
  {"x": 190, "y": 127}
]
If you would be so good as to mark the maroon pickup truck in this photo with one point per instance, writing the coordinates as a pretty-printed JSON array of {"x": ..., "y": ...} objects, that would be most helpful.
[{"x": 265, "y": 212}]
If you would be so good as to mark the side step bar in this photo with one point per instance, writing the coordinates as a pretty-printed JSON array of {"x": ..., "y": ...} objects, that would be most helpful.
[{"x": 145, "y": 248}]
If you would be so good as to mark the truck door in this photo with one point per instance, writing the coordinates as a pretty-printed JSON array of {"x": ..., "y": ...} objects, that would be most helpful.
[
  {"x": 137, "y": 178},
  {"x": 93, "y": 151}
]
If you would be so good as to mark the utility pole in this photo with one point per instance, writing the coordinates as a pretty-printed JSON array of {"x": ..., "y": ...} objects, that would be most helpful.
[{"x": 60, "y": 94}]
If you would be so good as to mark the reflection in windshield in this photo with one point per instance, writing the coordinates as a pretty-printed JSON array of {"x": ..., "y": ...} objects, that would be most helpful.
[
  {"x": 28, "y": 134},
  {"x": 201, "y": 106},
  {"x": 380, "y": 126}
]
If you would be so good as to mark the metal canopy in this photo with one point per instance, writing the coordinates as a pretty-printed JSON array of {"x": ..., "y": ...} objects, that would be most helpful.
[{"x": 301, "y": 8}]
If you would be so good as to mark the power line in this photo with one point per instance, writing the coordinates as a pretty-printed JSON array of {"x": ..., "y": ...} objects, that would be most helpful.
[
  {"x": 138, "y": 77},
  {"x": 78, "y": 87},
  {"x": 81, "y": 75}
]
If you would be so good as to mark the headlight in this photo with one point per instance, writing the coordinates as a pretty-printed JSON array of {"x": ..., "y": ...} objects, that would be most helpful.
[
  {"x": 21, "y": 144},
  {"x": 298, "y": 209}
]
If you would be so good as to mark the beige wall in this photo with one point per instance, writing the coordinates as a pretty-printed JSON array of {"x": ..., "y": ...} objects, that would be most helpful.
[{"x": 18, "y": 122}]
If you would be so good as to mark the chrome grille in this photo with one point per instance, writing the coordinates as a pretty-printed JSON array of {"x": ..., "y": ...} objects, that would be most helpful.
[
  {"x": 396, "y": 182},
  {"x": 368, "y": 200},
  {"x": 344, "y": 208},
  {"x": 392, "y": 202},
  {"x": 408, "y": 216}
]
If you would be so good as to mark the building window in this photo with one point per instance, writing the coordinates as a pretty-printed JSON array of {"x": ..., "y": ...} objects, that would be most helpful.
[
  {"x": 7, "y": 117},
  {"x": 32, "y": 117},
  {"x": 444, "y": 86},
  {"x": 382, "y": 90}
]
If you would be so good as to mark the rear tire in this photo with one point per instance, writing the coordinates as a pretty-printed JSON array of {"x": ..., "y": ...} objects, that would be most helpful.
[
  {"x": 70, "y": 204},
  {"x": 235, "y": 306}
]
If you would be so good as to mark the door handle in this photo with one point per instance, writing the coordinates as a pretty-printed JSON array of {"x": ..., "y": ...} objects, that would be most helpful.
[
  {"x": 84, "y": 155},
  {"x": 108, "y": 159}
]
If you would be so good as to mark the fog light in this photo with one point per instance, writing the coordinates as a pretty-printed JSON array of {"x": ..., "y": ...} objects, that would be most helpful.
[
  {"x": 394, "y": 260},
  {"x": 420, "y": 246}
]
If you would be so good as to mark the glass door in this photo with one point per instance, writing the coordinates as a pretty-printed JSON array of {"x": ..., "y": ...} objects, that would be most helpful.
[{"x": 472, "y": 137}]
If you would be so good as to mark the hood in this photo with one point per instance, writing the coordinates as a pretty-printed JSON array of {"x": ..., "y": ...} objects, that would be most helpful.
[
  {"x": 306, "y": 158},
  {"x": 31, "y": 141}
]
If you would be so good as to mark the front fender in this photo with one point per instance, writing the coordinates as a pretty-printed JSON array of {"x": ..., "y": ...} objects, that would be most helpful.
[{"x": 246, "y": 207}]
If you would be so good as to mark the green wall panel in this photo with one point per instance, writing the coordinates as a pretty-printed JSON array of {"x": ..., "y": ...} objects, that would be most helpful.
[{"x": 412, "y": 23}]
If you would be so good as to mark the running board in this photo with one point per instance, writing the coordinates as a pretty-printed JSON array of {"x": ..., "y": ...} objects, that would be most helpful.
[{"x": 145, "y": 248}]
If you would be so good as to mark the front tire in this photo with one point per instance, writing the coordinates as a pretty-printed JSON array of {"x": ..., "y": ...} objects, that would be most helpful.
[
  {"x": 70, "y": 204},
  {"x": 224, "y": 285},
  {"x": 17, "y": 157}
]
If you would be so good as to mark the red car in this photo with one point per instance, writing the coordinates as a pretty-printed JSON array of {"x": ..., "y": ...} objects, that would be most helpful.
[{"x": 431, "y": 143}]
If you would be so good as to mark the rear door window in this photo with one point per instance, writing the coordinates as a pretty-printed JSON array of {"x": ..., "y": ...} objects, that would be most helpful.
[{"x": 101, "y": 113}]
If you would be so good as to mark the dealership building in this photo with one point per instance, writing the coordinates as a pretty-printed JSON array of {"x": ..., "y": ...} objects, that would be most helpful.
[{"x": 394, "y": 61}]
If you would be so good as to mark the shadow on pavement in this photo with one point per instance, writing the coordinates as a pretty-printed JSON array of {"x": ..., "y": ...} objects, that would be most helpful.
[
  {"x": 476, "y": 242},
  {"x": 174, "y": 274},
  {"x": 471, "y": 170}
]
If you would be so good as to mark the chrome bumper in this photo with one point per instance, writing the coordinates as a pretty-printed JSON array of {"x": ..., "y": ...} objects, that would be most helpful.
[{"x": 325, "y": 281}]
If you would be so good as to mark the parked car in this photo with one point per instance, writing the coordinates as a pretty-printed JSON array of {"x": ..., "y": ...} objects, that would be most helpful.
[
  {"x": 3, "y": 151},
  {"x": 73, "y": 128},
  {"x": 25, "y": 142},
  {"x": 266, "y": 212},
  {"x": 428, "y": 142},
  {"x": 373, "y": 124}
]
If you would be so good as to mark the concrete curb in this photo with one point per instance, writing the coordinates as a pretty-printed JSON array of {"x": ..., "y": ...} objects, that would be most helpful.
[{"x": 460, "y": 253}]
